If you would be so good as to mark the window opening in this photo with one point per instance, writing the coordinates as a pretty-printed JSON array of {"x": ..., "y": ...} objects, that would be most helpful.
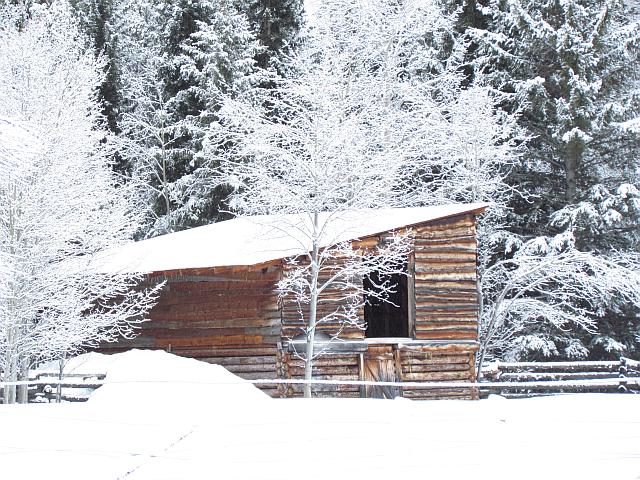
[{"x": 386, "y": 318}]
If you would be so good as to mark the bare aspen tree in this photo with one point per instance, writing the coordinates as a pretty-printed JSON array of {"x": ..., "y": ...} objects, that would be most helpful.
[
  {"x": 60, "y": 202},
  {"x": 362, "y": 118}
]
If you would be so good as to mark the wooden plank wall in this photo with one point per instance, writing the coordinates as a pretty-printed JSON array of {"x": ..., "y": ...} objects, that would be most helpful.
[
  {"x": 226, "y": 316},
  {"x": 401, "y": 362},
  {"x": 331, "y": 366},
  {"x": 446, "y": 307},
  {"x": 446, "y": 297},
  {"x": 231, "y": 316},
  {"x": 443, "y": 266},
  {"x": 433, "y": 363},
  {"x": 331, "y": 300}
]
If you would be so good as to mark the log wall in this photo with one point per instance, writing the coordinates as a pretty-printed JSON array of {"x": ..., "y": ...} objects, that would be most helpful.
[
  {"x": 295, "y": 315},
  {"x": 444, "y": 286},
  {"x": 411, "y": 361},
  {"x": 446, "y": 297},
  {"x": 443, "y": 323},
  {"x": 453, "y": 362},
  {"x": 330, "y": 366},
  {"x": 226, "y": 316}
]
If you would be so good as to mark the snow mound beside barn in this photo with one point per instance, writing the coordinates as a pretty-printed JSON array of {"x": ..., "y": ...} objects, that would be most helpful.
[{"x": 160, "y": 380}]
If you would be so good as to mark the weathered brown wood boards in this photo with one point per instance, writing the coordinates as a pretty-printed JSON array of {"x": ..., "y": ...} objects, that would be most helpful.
[{"x": 220, "y": 303}]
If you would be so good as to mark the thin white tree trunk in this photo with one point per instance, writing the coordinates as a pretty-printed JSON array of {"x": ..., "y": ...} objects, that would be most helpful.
[
  {"x": 313, "y": 308},
  {"x": 10, "y": 372},
  {"x": 165, "y": 181},
  {"x": 61, "y": 364},
  {"x": 23, "y": 390}
]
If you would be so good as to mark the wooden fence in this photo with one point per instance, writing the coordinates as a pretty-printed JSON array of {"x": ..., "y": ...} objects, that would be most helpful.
[
  {"x": 529, "y": 379},
  {"x": 43, "y": 387},
  {"x": 512, "y": 380}
]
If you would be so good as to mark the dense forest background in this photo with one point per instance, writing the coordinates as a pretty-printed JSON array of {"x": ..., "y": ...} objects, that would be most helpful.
[{"x": 566, "y": 73}]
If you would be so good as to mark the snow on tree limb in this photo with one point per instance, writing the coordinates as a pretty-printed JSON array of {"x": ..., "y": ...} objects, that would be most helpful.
[
  {"x": 551, "y": 282},
  {"x": 369, "y": 114},
  {"x": 59, "y": 203}
]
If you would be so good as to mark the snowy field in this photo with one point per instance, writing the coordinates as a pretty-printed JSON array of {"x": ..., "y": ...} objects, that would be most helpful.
[{"x": 224, "y": 428}]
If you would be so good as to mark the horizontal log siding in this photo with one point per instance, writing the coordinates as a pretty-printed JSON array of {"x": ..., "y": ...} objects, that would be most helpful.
[
  {"x": 446, "y": 308},
  {"x": 229, "y": 317},
  {"x": 446, "y": 301},
  {"x": 412, "y": 363},
  {"x": 331, "y": 366},
  {"x": 330, "y": 301},
  {"x": 446, "y": 363}
]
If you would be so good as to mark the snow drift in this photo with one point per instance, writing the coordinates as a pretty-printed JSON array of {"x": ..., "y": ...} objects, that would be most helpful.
[{"x": 160, "y": 380}]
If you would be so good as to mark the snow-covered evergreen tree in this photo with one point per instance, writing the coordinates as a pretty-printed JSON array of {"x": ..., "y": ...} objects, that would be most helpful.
[
  {"x": 277, "y": 24},
  {"x": 570, "y": 68},
  {"x": 94, "y": 18},
  {"x": 176, "y": 59}
]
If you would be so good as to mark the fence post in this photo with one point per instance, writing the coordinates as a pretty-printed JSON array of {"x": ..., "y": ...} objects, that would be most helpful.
[{"x": 622, "y": 386}]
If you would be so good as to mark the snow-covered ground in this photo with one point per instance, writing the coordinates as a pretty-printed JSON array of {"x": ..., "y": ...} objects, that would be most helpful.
[{"x": 217, "y": 426}]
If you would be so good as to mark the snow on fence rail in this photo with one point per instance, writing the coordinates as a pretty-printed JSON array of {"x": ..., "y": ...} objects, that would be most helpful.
[
  {"x": 74, "y": 387},
  {"x": 523, "y": 379}
]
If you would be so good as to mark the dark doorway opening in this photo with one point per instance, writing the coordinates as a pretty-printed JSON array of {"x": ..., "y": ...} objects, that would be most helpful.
[{"x": 386, "y": 318}]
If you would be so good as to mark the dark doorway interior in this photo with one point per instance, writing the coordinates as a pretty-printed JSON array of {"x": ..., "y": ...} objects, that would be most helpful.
[{"x": 386, "y": 318}]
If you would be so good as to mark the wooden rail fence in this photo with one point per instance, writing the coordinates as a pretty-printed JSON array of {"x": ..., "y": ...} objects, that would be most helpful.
[
  {"x": 43, "y": 387},
  {"x": 529, "y": 379},
  {"x": 512, "y": 380}
]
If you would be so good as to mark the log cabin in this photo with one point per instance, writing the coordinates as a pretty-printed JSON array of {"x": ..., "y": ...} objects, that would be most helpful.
[{"x": 220, "y": 302}]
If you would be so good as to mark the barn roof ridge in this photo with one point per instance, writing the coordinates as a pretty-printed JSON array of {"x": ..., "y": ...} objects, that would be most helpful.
[{"x": 254, "y": 240}]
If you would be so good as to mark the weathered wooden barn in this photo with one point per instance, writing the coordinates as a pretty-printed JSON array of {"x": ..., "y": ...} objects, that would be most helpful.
[{"x": 220, "y": 304}]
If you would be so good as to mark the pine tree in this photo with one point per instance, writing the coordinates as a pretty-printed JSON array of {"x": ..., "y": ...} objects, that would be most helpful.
[
  {"x": 570, "y": 68},
  {"x": 177, "y": 58},
  {"x": 94, "y": 18},
  {"x": 277, "y": 24}
]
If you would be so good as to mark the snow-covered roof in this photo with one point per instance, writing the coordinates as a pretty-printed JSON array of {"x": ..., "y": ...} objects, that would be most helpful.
[{"x": 258, "y": 239}]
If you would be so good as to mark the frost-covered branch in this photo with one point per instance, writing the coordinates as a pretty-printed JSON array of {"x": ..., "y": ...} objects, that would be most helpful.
[
  {"x": 368, "y": 114},
  {"x": 60, "y": 202},
  {"x": 549, "y": 282}
]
